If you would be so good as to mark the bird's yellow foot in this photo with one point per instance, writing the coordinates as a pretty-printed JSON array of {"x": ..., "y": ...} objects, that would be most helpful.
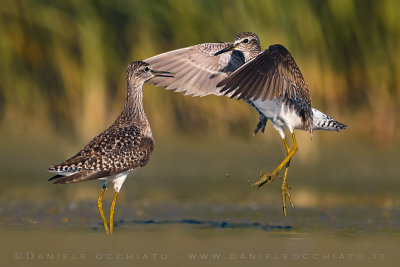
[
  {"x": 285, "y": 194},
  {"x": 266, "y": 178}
]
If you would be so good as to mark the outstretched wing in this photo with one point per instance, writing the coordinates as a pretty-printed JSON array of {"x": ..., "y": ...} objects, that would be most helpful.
[
  {"x": 197, "y": 71},
  {"x": 114, "y": 151},
  {"x": 273, "y": 74}
]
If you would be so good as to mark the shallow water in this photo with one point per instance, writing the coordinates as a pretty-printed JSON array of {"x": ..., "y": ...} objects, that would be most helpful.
[
  {"x": 345, "y": 221},
  {"x": 183, "y": 208},
  {"x": 186, "y": 234}
]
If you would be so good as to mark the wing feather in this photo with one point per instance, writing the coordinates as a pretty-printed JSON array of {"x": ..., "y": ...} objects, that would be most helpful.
[
  {"x": 80, "y": 176},
  {"x": 278, "y": 77},
  {"x": 196, "y": 70}
]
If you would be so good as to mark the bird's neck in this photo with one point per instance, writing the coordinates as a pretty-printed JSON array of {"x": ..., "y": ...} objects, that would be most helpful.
[
  {"x": 133, "y": 112},
  {"x": 251, "y": 53}
]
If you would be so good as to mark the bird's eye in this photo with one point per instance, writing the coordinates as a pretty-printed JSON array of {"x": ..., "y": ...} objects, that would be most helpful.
[
  {"x": 245, "y": 41},
  {"x": 146, "y": 69}
]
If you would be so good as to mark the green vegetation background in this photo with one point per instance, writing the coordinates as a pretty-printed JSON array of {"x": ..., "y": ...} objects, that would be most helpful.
[
  {"x": 62, "y": 81},
  {"x": 62, "y": 63}
]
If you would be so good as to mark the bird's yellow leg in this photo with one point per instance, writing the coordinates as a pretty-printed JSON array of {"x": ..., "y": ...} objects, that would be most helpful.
[
  {"x": 267, "y": 178},
  {"x": 284, "y": 187},
  {"x": 112, "y": 212},
  {"x": 285, "y": 191},
  {"x": 100, "y": 207},
  {"x": 287, "y": 146}
]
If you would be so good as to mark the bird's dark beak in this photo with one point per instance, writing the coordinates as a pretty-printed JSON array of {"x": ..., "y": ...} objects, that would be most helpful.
[
  {"x": 159, "y": 73},
  {"x": 229, "y": 48}
]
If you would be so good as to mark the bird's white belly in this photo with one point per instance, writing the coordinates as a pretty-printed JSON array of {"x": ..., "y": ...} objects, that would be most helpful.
[
  {"x": 118, "y": 180},
  {"x": 280, "y": 115}
]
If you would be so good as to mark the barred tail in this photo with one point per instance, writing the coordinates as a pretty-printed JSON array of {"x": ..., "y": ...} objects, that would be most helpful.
[{"x": 322, "y": 121}]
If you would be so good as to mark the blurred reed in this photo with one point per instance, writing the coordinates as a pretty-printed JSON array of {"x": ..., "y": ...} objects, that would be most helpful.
[{"x": 62, "y": 63}]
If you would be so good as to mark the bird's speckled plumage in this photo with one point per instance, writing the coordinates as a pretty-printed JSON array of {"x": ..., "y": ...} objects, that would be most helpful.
[
  {"x": 116, "y": 150},
  {"x": 126, "y": 145}
]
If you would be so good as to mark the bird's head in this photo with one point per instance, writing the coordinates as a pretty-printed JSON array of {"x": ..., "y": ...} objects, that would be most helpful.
[
  {"x": 139, "y": 72},
  {"x": 245, "y": 42}
]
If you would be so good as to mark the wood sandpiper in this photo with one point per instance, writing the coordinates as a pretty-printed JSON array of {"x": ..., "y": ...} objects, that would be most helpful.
[
  {"x": 270, "y": 81},
  {"x": 125, "y": 146}
]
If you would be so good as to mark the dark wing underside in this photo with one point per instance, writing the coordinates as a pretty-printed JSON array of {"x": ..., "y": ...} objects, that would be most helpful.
[
  {"x": 114, "y": 151},
  {"x": 197, "y": 71},
  {"x": 273, "y": 74}
]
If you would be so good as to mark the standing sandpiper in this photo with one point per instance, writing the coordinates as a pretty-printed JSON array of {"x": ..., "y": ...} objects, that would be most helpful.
[
  {"x": 269, "y": 81},
  {"x": 125, "y": 146}
]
